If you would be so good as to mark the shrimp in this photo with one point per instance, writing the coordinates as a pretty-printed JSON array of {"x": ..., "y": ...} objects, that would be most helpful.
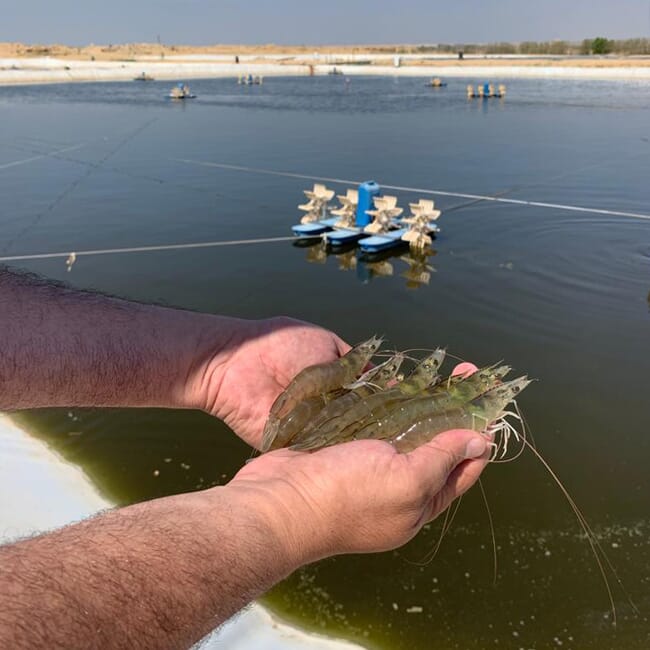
[
  {"x": 469, "y": 387},
  {"x": 430, "y": 402},
  {"x": 321, "y": 412},
  {"x": 300, "y": 415},
  {"x": 424, "y": 374},
  {"x": 486, "y": 414},
  {"x": 329, "y": 432},
  {"x": 318, "y": 379},
  {"x": 303, "y": 415},
  {"x": 370, "y": 382},
  {"x": 479, "y": 414},
  {"x": 380, "y": 375}
]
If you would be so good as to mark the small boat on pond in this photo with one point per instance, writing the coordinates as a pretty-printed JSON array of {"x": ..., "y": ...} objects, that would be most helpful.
[
  {"x": 181, "y": 91},
  {"x": 384, "y": 219},
  {"x": 486, "y": 91},
  {"x": 315, "y": 229},
  {"x": 250, "y": 80},
  {"x": 143, "y": 77},
  {"x": 436, "y": 82},
  {"x": 375, "y": 230},
  {"x": 416, "y": 230}
]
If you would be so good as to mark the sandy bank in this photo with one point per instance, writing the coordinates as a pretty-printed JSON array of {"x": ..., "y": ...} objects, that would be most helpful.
[{"x": 50, "y": 70}]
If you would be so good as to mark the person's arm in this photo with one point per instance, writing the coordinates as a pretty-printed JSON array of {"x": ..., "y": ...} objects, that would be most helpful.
[
  {"x": 64, "y": 347},
  {"x": 162, "y": 574}
]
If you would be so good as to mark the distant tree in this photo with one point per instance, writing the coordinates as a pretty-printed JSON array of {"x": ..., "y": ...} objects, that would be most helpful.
[
  {"x": 501, "y": 48},
  {"x": 558, "y": 47},
  {"x": 585, "y": 47},
  {"x": 632, "y": 46},
  {"x": 601, "y": 45},
  {"x": 529, "y": 47}
]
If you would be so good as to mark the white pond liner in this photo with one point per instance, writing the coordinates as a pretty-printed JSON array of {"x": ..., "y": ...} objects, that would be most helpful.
[{"x": 40, "y": 491}]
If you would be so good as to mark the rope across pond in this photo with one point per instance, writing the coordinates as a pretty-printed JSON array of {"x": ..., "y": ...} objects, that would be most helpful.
[{"x": 462, "y": 195}]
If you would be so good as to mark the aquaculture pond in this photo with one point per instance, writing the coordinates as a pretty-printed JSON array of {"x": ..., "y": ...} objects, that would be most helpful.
[{"x": 560, "y": 294}]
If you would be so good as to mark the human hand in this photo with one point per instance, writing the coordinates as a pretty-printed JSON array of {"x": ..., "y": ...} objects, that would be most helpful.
[
  {"x": 361, "y": 496},
  {"x": 240, "y": 384}
]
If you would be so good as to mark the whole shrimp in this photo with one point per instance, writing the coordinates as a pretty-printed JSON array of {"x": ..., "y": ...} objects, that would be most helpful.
[
  {"x": 428, "y": 402},
  {"x": 315, "y": 380},
  {"x": 327, "y": 433},
  {"x": 370, "y": 382},
  {"x": 478, "y": 414},
  {"x": 301, "y": 418}
]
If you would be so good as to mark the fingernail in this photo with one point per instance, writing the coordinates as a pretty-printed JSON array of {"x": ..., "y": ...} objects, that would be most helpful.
[
  {"x": 464, "y": 369},
  {"x": 475, "y": 448}
]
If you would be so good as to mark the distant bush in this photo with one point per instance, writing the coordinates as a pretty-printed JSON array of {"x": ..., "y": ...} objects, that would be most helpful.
[
  {"x": 585, "y": 47},
  {"x": 559, "y": 47},
  {"x": 602, "y": 45},
  {"x": 599, "y": 46},
  {"x": 631, "y": 46},
  {"x": 501, "y": 48},
  {"x": 39, "y": 51}
]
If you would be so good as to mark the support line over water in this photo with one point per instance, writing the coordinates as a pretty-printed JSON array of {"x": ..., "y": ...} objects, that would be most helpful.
[
  {"x": 24, "y": 161},
  {"x": 144, "y": 249},
  {"x": 461, "y": 195}
]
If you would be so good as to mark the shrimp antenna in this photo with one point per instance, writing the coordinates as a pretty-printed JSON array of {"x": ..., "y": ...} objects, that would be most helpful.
[
  {"x": 431, "y": 554},
  {"x": 492, "y": 533},
  {"x": 602, "y": 559},
  {"x": 253, "y": 455},
  {"x": 386, "y": 351},
  {"x": 456, "y": 357},
  {"x": 419, "y": 350},
  {"x": 447, "y": 527},
  {"x": 429, "y": 350},
  {"x": 527, "y": 431},
  {"x": 450, "y": 515},
  {"x": 392, "y": 353}
]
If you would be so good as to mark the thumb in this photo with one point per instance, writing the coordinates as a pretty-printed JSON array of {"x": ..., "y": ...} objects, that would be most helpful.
[{"x": 437, "y": 459}]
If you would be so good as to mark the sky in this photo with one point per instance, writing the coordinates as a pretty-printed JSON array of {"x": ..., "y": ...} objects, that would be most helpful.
[{"x": 304, "y": 22}]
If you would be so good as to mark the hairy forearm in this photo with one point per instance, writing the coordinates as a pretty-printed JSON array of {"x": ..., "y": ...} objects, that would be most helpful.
[
  {"x": 160, "y": 574},
  {"x": 62, "y": 347}
]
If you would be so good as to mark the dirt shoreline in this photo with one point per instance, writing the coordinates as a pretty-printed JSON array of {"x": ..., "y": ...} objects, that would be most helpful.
[
  {"x": 31, "y": 64},
  {"x": 41, "y": 71},
  {"x": 131, "y": 52}
]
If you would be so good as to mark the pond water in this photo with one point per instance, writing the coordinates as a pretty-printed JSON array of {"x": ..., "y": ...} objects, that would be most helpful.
[{"x": 561, "y": 295}]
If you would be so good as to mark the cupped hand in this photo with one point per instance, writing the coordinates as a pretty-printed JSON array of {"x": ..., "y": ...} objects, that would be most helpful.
[
  {"x": 361, "y": 496},
  {"x": 240, "y": 386}
]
